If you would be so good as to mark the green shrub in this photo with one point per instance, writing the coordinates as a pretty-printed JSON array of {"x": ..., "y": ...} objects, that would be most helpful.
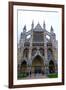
[
  {"x": 22, "y": 75},
  {"x": 53, "y": 75}
]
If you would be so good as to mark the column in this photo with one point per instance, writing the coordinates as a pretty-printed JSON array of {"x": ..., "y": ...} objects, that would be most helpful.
[
  {"x": 30, "y": 56},
  {"x": 55, "y": 59},
  {"x": 30, "y": 51},
  {"x": 46, "y": 63},
  {"x": 20, "y": 53}
]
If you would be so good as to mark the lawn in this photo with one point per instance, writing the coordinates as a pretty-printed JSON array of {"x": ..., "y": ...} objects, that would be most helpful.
[
  {"x": 53, "y": 75},
  {"x": 22, "y": 75}
]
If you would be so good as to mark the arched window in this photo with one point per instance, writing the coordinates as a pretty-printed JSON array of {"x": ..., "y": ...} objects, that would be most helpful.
[
  {"x": 49, "y": 53},
  {"x": 41, "y": 51},
  {"x": 34, "y": 51},
  {"x": 25, "y": 53}
]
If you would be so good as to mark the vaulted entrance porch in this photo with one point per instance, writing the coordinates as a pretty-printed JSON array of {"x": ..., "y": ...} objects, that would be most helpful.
[{"x": 37, "y": 66}]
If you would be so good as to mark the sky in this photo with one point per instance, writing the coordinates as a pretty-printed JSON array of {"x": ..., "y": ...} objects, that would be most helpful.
[{"x": 27, "y": 16}]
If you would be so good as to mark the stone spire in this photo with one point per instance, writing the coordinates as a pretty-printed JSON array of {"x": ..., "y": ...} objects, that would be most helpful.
[
  {"x": 24, "y": 33},
  {"x": 32, "y": 25},
  {"x": 51, "y": 30},
  {"x": 53, "y": 36},
  {"x": 24, "y": 29},
  {"x": 44, "y": 25}
]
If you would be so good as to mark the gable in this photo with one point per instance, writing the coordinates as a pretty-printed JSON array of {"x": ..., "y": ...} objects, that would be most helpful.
[{"x": 38, "y": 28}]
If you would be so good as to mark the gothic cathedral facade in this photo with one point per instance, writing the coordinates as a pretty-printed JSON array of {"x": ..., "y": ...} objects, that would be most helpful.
[{"x": 37, "y": 50}]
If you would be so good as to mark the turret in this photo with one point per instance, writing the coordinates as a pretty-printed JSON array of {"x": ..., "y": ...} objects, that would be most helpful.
[{"x": 52, "y": 36}]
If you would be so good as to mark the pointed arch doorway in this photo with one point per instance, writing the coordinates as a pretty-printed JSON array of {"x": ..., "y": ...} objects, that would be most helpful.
[
  {"x": 37, "y": 65},
  {"x": 51, "y": 67},
  {"x": 24, "y": 66}
]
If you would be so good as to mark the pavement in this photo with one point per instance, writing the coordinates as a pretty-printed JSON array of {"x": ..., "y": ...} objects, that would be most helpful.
[{"x": 36, "y": 76}]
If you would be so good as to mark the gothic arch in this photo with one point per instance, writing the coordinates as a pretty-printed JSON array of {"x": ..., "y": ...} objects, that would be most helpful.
[
  {"x": 51, "y": 66},
  {"x": 41, "y": 51},
  {"x": 37, "y": 65},
  {"x": 25, "y": 52},
  {"x": 23, "y": 66},
  {"x": 49, "y": 53},
  {"x": 34, "y": 51},
  {"x": 50, "y": 49}
]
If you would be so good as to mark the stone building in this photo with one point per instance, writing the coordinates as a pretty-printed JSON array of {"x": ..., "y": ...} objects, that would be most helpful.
[{"x": 38, "y": 50}]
